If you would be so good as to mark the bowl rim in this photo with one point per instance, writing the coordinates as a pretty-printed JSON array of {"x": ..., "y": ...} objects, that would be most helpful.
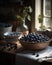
[{"x": 33, "y": 42}]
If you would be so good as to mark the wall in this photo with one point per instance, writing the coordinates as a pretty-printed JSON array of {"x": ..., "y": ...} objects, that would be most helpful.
[
  {"x": 37, "y": 12},
  {"x": 9, "y": 10}
]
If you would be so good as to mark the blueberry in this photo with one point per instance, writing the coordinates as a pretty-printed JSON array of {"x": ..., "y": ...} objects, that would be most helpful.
[
  {"x": 33, "y": 54},
  {"x": 38, "y": 41},
  {"x": 37, "y": 55}
]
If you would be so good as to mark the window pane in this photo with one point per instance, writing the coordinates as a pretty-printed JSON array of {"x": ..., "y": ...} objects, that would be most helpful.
[
  {"x": 47, "y": 22},
  {"x": 47, "y": 13},
  {"x": 47, "y": 8}
]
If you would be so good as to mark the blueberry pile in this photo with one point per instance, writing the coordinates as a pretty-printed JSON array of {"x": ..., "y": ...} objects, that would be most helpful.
[
  {"x": 35, "y": 37},
  {"x": 12, "y": 34}
]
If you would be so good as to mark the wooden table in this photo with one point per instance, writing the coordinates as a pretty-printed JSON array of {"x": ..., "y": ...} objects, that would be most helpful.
[
  {"x": 16, "y": 58},
  {"x": 26, "y": 57}
]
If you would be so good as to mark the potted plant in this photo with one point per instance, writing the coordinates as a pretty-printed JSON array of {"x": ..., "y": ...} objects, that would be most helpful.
[
  {"x": 25, "y": 14},
  {"x": 42, "y": 27}
]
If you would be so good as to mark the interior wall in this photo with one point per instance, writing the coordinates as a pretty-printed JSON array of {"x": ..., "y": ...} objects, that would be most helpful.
[
  {"x": 33, "y": 17},
  {"x": 37, "y": 12},
  {"x": 9, "y": 10}
]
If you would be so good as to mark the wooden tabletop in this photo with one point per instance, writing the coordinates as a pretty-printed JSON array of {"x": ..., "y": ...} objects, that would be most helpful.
[{"x": 20, "y": 50}]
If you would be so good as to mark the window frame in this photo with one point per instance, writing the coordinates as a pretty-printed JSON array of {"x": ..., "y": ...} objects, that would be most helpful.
[{"x": 43, "y": 11}]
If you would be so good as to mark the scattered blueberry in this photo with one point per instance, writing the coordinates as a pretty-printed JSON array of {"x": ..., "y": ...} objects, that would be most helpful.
[
  {"x": 33, "y": 54},
  {"x": 37, "y": 55}
]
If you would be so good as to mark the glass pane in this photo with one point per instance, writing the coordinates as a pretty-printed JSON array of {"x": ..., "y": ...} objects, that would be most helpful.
[
  {"x": 47, "y": 8},
  {"x": 47, "y": 22}
]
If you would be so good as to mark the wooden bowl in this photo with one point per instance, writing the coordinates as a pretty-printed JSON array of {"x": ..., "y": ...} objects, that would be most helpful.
[{"x": 34, "y": 46}]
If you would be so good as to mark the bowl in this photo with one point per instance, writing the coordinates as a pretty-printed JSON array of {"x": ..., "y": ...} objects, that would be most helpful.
[
  {"x": 5, "y": 27},
  {"x": 12, "y": 36},
  {"x": 34, "y": 45}
]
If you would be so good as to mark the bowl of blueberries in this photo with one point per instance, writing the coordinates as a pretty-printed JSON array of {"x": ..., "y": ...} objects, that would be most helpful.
[
  {"x": 12, "y": 36},
  {"x": 35, "y": 41}
]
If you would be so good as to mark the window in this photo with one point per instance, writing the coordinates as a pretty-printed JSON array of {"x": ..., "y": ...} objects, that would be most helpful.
[{"x": 47, "y": 13}]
